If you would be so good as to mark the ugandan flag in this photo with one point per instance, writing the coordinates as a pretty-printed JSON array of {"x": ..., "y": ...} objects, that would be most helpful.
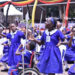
[
  {"x": 15, "y": 2},
  {"x": 50, "y": 1},
  {"x": 21, "y": 2}
]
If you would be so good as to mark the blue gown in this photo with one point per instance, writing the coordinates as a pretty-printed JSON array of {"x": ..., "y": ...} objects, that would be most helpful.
[
  {"x": 51, "y": 61},
  {"x": 41, "y": 52},
  {"x": 70, "y": 52},
  {"x": 15, "y": 39},
  {"x": 4, "y": 59},
  {"x": 71, "y": 71}
]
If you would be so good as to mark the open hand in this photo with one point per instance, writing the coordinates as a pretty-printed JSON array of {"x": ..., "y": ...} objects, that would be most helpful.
[
  {"x": 17, "y": 53},
  {"x": 59, "y": 43}
]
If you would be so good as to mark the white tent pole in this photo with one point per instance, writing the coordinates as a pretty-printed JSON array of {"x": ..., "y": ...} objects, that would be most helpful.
[
  {"x": 23, "y": 61},
  {"x": 41, "y": 16},
  {"x": 26, "y": 41},
  {"x": 25, "y": 48}
]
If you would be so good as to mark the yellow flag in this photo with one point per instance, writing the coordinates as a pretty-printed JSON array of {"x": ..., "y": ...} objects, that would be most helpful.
[{"x": 33, "y": 12}]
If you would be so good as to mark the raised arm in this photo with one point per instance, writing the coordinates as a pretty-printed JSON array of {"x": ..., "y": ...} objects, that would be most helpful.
[
  {"x": 70, "y": 41},
  {"x": 2, "y": 35},
  {"x": 40, "y": 42},
  {"x": 18, "y": 52}
]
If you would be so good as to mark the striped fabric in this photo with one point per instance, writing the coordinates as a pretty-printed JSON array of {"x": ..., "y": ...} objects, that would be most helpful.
[
  {"x": 25, "y": 2},
  {"x": 21, "y": 2},
  {"x": 3, "y": 2},
  {"x": 15, "y": 2},
  {"x": 50, "y": 1}
]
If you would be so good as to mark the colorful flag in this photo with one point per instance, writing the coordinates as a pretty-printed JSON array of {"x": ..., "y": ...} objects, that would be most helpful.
[
  {"x": 21, "y": 2},
  {"x": 50, "y": 1},
  {"x": 15, "y": 2},
  {"x": 3, "y": 2}
]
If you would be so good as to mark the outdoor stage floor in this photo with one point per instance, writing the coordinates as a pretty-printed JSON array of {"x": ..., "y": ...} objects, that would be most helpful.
[{"x": 6, "y": 73}]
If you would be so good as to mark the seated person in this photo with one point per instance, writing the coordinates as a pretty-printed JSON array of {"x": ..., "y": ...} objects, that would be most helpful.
[{"x": 27, "y": 56}]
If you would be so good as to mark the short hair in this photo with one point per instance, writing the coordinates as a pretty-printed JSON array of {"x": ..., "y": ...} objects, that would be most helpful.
[
  {"x": 32, "y": 45},
  {"x": 53, "y": 21}
]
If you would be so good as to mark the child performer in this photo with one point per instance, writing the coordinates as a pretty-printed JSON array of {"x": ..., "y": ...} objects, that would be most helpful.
[
  {"x": 15, "y": 38},
  {"x": 51, "y": 62},
  {"x": 70, "y": 52},
  {"x": 6, "y": 45},
  {"x": 30, "y": 46}
]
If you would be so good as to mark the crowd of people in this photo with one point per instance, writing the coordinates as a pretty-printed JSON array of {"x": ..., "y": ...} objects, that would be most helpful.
[{"x": 55, "y": 44}]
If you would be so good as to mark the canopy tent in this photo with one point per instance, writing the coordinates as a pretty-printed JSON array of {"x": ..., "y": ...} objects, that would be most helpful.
[{"x": 12, "y": 11}]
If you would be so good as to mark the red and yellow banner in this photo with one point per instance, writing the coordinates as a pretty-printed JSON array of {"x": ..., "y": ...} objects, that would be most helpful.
[
  {"x": 2, "y": 5},
  {"x": 25, "y": 2},
  {"x": 3, "y": 2},
  {"x": 21, "y": 2},
  {"x": 50, "y": 1},
  {"x": 15, "y": 2}
]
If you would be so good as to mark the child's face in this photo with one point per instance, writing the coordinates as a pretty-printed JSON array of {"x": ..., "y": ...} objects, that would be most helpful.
[
  {"x": 23, "y": 29},
  {"x": 13, "y": 27},
  {"x": 58, "y": 25},
  {"x": 48, "y": 24}
]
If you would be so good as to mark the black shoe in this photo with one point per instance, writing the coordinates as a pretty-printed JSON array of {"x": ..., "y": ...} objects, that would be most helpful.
[
  {"x": 66, "y": 69},
  {"x": 5, "y": 70}
]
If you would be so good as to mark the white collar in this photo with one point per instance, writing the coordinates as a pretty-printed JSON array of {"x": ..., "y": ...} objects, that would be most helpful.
[
  {"x": 13, "y": 33},
  {"x": 28, "y": 51},
  {"x": 51, "y": 32}
]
